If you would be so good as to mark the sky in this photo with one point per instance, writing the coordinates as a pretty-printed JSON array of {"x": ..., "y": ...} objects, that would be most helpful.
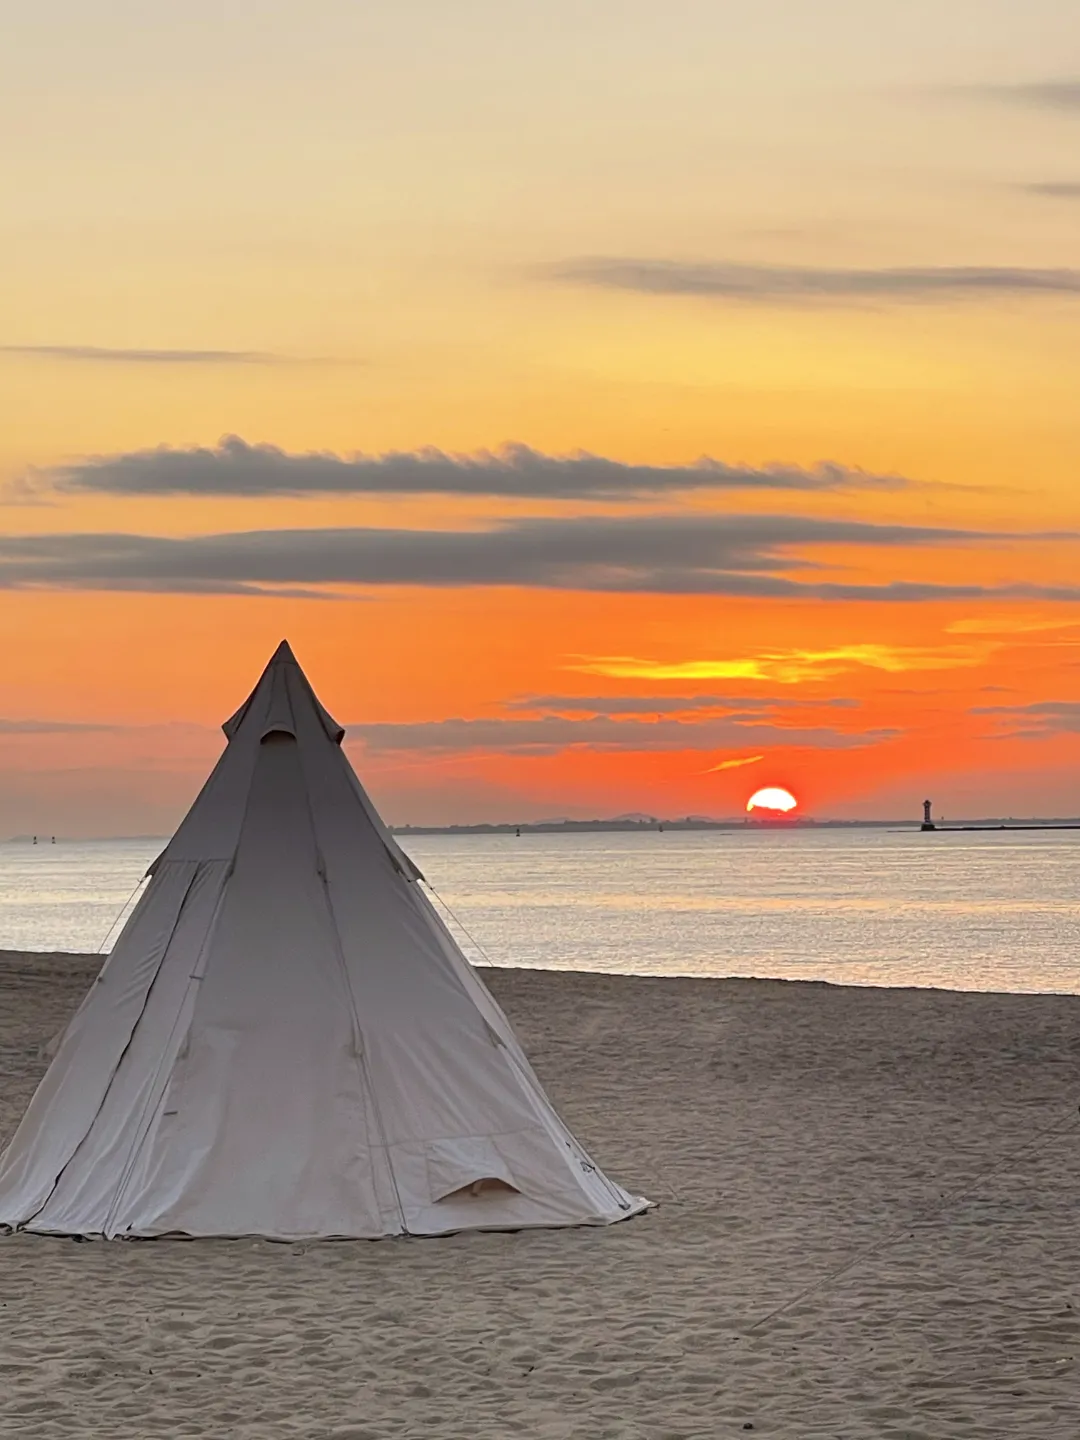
[{"x": 619, "y": 407}]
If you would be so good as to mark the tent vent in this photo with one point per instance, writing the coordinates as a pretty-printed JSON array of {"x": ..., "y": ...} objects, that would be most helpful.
[
  {"x": 486, "y": 1185},
  {"x": 278, "y": 736}
]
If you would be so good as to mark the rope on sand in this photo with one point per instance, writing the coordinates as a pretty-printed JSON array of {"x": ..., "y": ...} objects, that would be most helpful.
[{"x": 1036, "y": 1143}]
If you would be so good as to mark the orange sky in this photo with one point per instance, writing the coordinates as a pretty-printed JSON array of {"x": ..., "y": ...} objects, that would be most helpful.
[{"x": 356, "y": 234}]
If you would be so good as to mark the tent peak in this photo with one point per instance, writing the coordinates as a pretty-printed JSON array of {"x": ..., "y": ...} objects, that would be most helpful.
[{"x": 281, "y": 693}]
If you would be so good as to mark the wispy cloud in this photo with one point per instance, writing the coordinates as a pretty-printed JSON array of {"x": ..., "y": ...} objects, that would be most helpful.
[
  {"x": 788, "y": 667},
  {"x": 1053, "y": 189},
  {"x": 736, "y": 764},
  {"x": 50, "y": 727},
  {"x": 683, "y": 554},
  {"x": 236, "y": 468},
  {"x": 789, "y": 283},
  {"x": 113, "y": 355},
  {"x": 1030, "y": 722},
  {"x": 550, "y": 733},
  {"x": 669, "y": 704},
  {"x": 1008, "y": 625},
  {"x": 1037, "y": 94}
]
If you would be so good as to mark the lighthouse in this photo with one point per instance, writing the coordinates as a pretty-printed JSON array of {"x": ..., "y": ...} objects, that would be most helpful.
[{"x": 927, "y": 823}]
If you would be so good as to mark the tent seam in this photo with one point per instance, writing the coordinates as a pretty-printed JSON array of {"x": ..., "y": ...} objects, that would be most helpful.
[
  {"x": 360, "y": 1046},
  {"x": 143, "y": 1129},
  {"x": 119, "y": 1061}
]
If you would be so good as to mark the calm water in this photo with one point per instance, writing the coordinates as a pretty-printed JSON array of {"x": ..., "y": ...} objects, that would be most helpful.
[{"x": 973, "y": 912}]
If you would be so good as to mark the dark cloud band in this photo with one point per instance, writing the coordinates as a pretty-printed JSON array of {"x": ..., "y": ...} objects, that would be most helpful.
[
  {"x": 686, "y": 554},
  {"x": 104, "y": 355},
  {"x": 237, "y": 468},
  {"x": 783, "y": 283},
  {"x": 551, "y": 733}
]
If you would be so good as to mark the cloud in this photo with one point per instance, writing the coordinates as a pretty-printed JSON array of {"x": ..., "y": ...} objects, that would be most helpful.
[
  {"x": 550, "y": 733},
  {"x": 789, "y": 667},
  {"x": 737, "y": 764},
  {"x": 1054, "y": 189},
  {"x": 666, "y": 704},
  {"x": 1008, "y": 625},
  {"x": 27, "y": 491},
  {"x": 49, "y": 727},
  {"x": 106, "y": 355},
  {"x": 808, "y": 283},
  {"x": 683, "y": 554},
  {"x": 1039, "y": 94},
  {"x": 235, "y": 467},
  {"x": 1044, "y": 717}
]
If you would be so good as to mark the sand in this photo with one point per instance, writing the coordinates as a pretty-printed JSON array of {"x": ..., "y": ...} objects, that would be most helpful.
[{"x": 782, "y": 1129}]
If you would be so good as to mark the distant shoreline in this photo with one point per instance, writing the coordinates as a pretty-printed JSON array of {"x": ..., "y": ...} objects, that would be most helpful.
[
  {"x": 577, "y": 827},
  {"x": 635, "y": 826}
]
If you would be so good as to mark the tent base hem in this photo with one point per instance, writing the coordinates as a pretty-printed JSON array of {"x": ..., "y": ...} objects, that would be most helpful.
[{"x": 638, "y": 1206}]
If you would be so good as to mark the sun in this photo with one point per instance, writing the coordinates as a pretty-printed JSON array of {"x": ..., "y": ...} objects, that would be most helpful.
[{"x": 772, "y": 798}]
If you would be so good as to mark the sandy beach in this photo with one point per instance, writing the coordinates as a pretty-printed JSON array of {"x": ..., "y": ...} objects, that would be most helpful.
[{"x": 782, "y": 1129}]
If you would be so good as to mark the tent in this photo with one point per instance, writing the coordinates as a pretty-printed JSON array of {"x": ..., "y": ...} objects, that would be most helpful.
[{"x": 286, "y": 1041}]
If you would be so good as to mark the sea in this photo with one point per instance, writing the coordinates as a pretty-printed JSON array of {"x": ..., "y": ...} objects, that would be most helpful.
[{"x": 992, "y": 911}]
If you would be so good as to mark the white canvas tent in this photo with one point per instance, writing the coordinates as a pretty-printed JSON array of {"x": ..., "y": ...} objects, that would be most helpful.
[{"x": 286, "y": 1040}]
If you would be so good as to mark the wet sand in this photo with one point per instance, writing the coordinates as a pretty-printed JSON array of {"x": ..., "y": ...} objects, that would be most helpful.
[{"x": 782, "y": 1129}]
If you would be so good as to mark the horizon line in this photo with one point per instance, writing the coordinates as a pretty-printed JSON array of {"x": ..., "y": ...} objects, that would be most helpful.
[{"x": 635, "y": 822}]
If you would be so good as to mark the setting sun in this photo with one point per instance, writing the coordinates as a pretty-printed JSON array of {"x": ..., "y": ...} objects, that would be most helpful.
[{"x": 772, "y": 798}]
